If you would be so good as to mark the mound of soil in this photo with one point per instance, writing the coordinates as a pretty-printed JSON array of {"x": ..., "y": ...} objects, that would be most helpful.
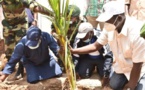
[{"x": 60, "y": 83}]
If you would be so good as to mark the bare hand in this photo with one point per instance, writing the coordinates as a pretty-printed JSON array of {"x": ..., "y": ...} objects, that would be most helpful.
[
  {"x": 70, "y": 48},
  {"x": 105, "y": 82},
  {"x": 3, "y": 76},
  {"x": 34, "y": 23},
  {"x": 129, "y": 86},
  {"x": 106, "y": 88}
]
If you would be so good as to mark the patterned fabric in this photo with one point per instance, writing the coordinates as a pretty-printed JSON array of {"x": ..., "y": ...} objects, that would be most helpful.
[
  {"x": 15, "y": 23},
  {"x": 95, "y": 7},
  {"x": 15, "y": 13},
  {"x": 12, "y": 34}
]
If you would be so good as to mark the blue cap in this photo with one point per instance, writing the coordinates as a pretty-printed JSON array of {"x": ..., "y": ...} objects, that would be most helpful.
[{"x": 33, "y": 35}]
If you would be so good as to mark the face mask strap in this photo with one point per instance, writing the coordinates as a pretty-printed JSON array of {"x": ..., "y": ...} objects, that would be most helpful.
[
  {"x": 36, "y": 45},
  {"x": 115, "y": 21}
]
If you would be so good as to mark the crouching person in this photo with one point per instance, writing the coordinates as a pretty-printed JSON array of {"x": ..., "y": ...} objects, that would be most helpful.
[
  {"x": 33, "y": 51},
  {"x": 86, "y": 63}
]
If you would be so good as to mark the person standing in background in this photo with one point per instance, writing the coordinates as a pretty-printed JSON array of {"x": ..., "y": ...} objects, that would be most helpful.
[
  {"x": 94, "y": 8},
  {"x": 1, "y": 18},
  {"x": 32, "y": 17}
]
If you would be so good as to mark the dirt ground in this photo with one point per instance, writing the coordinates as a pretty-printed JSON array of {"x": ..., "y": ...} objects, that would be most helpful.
[
  {"x": 60, "y": 83},
  {"x": 11, "y": 84}
]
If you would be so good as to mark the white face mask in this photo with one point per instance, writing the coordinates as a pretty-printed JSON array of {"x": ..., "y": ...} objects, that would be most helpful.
[
  {"x": 36, "y": 45},
  {"x": 110, "y": 27},
  {"x": 86, "y": 41}
]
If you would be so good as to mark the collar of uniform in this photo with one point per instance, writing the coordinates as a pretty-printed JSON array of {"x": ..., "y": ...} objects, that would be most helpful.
[{"x": 124, "y": 28}]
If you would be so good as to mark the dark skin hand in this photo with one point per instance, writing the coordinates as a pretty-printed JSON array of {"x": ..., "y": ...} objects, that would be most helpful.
[
  {"x": 3, "y": 76},
  {"x": 43, "y": 10},
  {"x": 105, "y": 82},
  {"x": 134, "y": 76}
]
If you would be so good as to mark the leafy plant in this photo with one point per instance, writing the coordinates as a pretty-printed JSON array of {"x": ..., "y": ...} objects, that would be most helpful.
[{"x": 61, "y": 21}]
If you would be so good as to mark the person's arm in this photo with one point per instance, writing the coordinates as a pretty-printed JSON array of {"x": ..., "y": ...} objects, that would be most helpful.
[
  {"x": 36, "y": 7},
  {"x": 134, "y": 76},
  {"x": 98, "y": 44},
  {"x": 87, "y": 49},
  {"x": 138, "y": 50},
  {"x": 16, "y": 56},
  {"x": 52, "y": 43},
  {"x": 35, "y": 22}
]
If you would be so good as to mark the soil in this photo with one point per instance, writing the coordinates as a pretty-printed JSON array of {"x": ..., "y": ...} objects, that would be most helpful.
[
  {"x": 60, "y": 83},
  {"x": 22, "y": 84}
]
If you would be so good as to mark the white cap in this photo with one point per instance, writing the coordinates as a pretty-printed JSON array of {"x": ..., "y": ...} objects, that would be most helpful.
[
  {"x": 83, "y": 29},
  {"x": 110, "y": 9}
]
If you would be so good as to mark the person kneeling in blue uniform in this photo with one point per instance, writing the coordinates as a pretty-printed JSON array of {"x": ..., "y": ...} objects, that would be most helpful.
[{"x": 33, "y": 51}]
